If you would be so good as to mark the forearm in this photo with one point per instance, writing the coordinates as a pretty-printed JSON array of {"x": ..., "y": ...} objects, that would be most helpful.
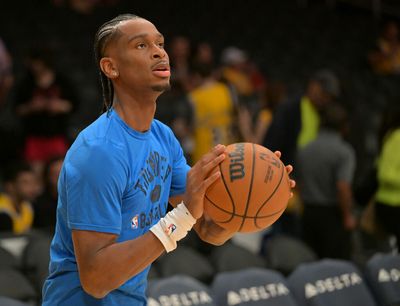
[
  {"x": 111, "y": 266},
  {"x": 345, "y": 198},
  {"x": 210, "y": 232}
]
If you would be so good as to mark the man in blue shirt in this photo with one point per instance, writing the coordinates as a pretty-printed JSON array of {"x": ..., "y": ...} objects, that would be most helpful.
[{"x": 119, "y": 176}]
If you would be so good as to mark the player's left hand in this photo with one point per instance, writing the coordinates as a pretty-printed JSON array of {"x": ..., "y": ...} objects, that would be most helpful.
[
  {"x": 289, "y": 169},
  {"x": 199, "y": 179}
]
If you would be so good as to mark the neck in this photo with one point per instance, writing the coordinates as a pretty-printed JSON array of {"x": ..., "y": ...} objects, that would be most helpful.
[{"x": 136, "y": 111}]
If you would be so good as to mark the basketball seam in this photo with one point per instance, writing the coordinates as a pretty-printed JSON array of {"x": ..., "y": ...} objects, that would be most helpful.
[
  {"x": 250, "y": 188},
  {"x": 243, "y": 216},
  {"x": 229, "y": 194},
  {"x": 228, "y": 212},
  {"x": 269, "y": 198}
]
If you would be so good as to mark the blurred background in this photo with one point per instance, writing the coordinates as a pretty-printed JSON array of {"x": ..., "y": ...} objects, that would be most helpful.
[{"x": 318, "y": 80}]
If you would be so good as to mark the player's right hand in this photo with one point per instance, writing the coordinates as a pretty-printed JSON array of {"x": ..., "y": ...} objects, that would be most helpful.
[{"x": 198, "y": 180}]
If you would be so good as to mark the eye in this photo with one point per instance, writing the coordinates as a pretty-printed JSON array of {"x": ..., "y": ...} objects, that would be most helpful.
[
  {"x": 161, "y": 45},
  {"x": 141, "y": 46}
]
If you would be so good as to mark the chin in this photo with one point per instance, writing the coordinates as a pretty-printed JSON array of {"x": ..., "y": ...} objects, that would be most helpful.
[{"x": 161, "y": 87}]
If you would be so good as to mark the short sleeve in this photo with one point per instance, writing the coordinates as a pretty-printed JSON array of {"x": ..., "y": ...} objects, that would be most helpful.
[
  {"x": 346, "y": 166},
  {"x": 180, "y": 168},
  {"x": 95, "y": 183}
]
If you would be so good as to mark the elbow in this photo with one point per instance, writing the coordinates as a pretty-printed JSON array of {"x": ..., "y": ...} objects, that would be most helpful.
[
  {"x": 93, "y": 288},
  {"x": 216, "y": 240}
]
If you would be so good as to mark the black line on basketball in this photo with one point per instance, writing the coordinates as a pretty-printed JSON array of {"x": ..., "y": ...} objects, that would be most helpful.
[
  {"x": 231, "y": 215},
  {"x": 250, "y": 187},
  {"x": 266, "y": 201},
  {"x": 268, "y": 216},
  {"x": 233, "y": 212}
]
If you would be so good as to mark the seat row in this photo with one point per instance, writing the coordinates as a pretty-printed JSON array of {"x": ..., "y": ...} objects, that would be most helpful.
[{"x": 322, "y": 283}]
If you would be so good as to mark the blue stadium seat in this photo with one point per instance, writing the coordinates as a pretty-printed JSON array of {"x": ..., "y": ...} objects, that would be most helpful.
[
  {"x": 14, "y": 284},
  {"x": 330, "y": 283},
  {"x": 5, "y": 301},
  {"x": 232, "y": 257},
  {"x": 285, "y": 253},
  {"x": 252, "y": 287},
  {"x": 178, "y": 290},
  {"x": 383, "y": 275},
  {"x": 186, "y": 261}
]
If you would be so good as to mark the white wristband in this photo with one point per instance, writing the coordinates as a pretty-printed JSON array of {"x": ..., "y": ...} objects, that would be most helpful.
[{"x": 173, "y": 227}]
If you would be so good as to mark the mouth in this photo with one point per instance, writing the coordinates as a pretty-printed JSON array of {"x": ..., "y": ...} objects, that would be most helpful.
[{"x": 161, "y": 70}]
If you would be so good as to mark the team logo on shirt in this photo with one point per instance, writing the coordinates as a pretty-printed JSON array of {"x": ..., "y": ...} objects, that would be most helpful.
[
  {"x": 135, "y": 222},
  {"x": 157, "y": 169}
]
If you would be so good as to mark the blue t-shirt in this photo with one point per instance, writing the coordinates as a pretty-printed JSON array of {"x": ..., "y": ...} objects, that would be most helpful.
[{"x": 114, "y": 180}]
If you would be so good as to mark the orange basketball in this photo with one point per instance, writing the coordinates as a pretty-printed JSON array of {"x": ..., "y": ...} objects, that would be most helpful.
[{"x": 252, "y": 192}]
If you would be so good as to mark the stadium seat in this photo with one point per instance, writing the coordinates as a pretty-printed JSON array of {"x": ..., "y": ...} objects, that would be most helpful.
[
  {"x": 7, "y": 260},
  {"x": 35, "y": 260},
  {"x": 284, "y": 253},
  {"x": 178, "y": 290},
  {"x": 231, "y": 257},
  {"x": 383, "y": 275},
  {"x": 187, "y": 261},
  {"x": 14, "y": 285},
  {"x": 4, "y": 301},
  {"x": 329, "y": 283},
  {"x": 251, "y": 287}
]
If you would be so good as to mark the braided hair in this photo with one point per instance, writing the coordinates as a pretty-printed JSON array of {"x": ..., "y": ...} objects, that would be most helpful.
[{"x": 108, "y": 32}]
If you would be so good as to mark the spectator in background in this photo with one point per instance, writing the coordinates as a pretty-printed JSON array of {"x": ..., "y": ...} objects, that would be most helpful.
[
  {"x": 6, "y": 74},
  {"x": 9, "y": 132},
  {"x": 204, "y": 54},
  {"x": 20, "y": 188},
  {"x": 326, "y": 167},
  {"x": 180, "y": 51},
  {"x": 44, "y": 102},
  {"x": 234, "y": 72},
  {"x": 388, "y": 176},
  {"x": 254, "y": 129},
  {"x": 45, "y": 205},
  {"x": 174, "y": 109},
  {"x": 296, "y": 123},
  {"x": 213, "y": 108},
  {"x": 386, "y": 58}
]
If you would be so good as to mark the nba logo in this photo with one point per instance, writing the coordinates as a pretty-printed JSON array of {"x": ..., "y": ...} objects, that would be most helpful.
[
  {"x": 170, "y": 229},
  {"x": 135, "y": 222}
]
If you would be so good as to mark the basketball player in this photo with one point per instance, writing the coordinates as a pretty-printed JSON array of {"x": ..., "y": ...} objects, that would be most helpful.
[{"x": 118, "y": 177}]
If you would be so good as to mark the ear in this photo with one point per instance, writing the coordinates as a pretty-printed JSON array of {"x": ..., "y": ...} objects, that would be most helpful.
[{"x": 109, "y": 67}]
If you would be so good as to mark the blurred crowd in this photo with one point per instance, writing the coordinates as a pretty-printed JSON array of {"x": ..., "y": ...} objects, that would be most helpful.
[{"x": 217, "y": 97}]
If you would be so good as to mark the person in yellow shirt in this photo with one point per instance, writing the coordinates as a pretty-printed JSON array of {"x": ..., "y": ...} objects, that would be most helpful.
[
  {"x": 20, "y": 187},
  {"x": 213, "y": 109}
]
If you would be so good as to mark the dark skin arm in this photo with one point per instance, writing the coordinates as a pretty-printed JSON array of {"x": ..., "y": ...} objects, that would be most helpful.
[
  {"x": 345, "y": 198},
  {"x": 105, "y": 265}
]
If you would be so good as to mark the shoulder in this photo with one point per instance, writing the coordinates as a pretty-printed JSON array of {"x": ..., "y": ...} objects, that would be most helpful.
[
  {"x": 344, "y": 151},
  {"x": 346, "y": 148},
  {"x": 102, "y": 134},
  {"x": 5, "y": 203},
  {"x": 94, "y": 150},
  {"x": 163, "y": 130}
]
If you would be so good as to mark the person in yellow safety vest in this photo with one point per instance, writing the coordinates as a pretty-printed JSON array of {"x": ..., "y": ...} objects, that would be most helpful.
[{"x": 387, "y": 196}]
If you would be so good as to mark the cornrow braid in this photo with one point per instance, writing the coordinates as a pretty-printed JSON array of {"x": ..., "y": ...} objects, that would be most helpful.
[{"x": 107, "y": 33}]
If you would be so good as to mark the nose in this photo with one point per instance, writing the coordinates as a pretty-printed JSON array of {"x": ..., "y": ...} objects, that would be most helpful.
[{"x": 159, "y": 52}]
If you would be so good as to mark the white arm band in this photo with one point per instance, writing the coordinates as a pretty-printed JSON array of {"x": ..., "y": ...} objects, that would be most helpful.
[{"x": 173, "y": 227}]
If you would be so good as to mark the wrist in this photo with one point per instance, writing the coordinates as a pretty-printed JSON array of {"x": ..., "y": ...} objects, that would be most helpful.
[{"x": 173, "y": 227}]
